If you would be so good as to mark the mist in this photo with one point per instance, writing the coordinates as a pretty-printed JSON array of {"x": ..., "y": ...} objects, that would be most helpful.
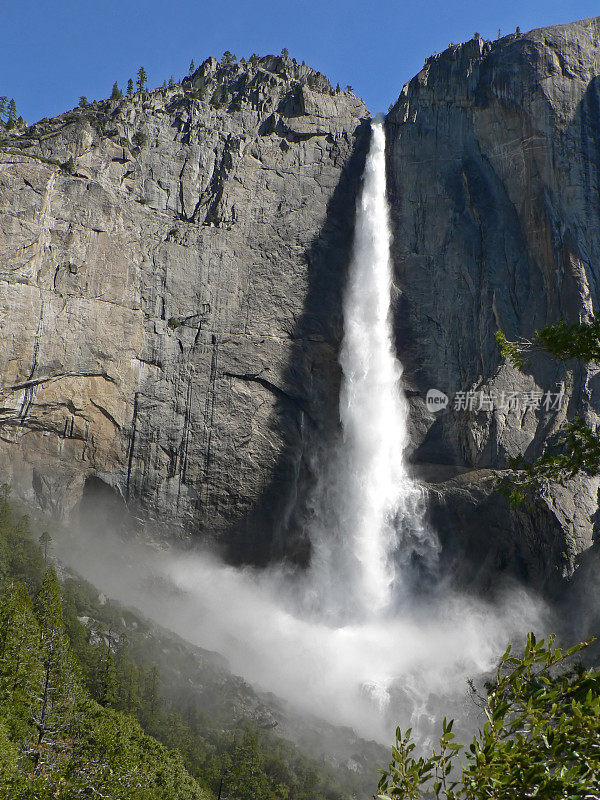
[{"x": 405, "y": 668}]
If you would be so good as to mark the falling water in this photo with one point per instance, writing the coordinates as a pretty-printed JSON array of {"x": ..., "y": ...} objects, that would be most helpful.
[
  {"x": 360, "y": 656},
  {"x": 374, "y": 513}
]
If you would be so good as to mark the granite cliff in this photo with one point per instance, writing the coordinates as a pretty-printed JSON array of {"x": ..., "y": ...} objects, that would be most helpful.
[
  {"x": 171, "y": 268},
  {"x": 170, "y": 295},
  {"x": 494, "y": 159}
]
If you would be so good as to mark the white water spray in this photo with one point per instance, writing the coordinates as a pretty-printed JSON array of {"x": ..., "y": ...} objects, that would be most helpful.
[{"x": 372, "y": 509}]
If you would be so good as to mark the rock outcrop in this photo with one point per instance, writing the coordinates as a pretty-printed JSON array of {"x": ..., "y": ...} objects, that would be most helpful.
[
  {"x": 170, "y": 269},
  {"x": 494, "y": 162}
]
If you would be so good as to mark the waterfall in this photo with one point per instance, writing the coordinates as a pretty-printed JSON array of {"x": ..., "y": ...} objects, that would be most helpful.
[{"x": 369, "y": 516}]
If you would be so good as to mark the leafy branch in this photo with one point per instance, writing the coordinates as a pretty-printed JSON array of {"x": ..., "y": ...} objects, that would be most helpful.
[
  {"x": 576, "y": 449},
  {"x": 541, "y": 737},
  {"x": 576, "y": 446},
  {"x": 561, "y": 340}
]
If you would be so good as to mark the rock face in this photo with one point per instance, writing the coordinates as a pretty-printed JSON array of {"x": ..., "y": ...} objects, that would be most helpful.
[
  {"x": 170, "y": 295},
  {"x": 494, "y": 165},
  {"x": 171, "y": 270}
]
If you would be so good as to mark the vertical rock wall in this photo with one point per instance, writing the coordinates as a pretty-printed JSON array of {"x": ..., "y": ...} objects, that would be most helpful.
[
  {"x": 170, "y": 295},
  {"x": 494, "y": 159}
]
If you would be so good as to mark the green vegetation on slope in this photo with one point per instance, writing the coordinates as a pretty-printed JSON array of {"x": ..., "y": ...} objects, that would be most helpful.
[
  {"x": 105, "y": 723},
  {"x": 55, "y": 739}
]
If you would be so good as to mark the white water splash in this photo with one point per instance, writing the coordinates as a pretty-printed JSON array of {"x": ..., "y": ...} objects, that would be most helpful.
[{"x": 371, "y": 514}]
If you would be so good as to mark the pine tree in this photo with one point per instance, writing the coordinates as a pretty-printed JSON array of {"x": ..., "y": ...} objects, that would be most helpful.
[
  {"x": 12, "y": 110},
  {"x": 70, "y": 166},
  {"x": 3, "y": 106},
  {"x": 12, "y": 781},
  {"x": 20, "y": 665},
  {"x": 128, "y": 678},
  {"x": 227, "y": 58},
  {"x": 83, "y": 101},
  {"x": 45, "y": 539},
  {"x": 150, "y": 698},
  {"x": 192, "y": 67},
  {"x": 142, "y": 80},
  {"x": 25, "y": 562},
  {"x": 285, "y": 52},
  {"x": 171, "y": 82},
  {"x": 54, "y": 708},
  {"x": 117, "y": 94},
  {"x": 247, "y": 779},
  {"x": 104, "y": 687},
  {"x": 129, "y": 87}
]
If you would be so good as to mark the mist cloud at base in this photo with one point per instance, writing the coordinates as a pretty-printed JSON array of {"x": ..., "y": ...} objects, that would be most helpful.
[{"x": 401, "y": 669}]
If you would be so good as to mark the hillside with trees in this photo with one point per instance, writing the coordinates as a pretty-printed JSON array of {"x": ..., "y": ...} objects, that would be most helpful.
[{"x": 82, "y": 707}]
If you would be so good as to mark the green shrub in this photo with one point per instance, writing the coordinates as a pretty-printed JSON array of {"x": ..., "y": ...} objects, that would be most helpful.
[
  {"x": 140, "y": 139},
  {"x": 541, "y": 737}
]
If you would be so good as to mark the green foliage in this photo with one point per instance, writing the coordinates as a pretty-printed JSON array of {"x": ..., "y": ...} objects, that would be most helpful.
[
  {"x": 69, "y": 166},
  {"x": 54, "y": 703},
  {"x": 20, "y": 557},
  {"x": 83, "y": 101},
  {"x": 576, "y": 447},
  {"x": 20, "y": 673},
  {"x": 140, "y": 139},
  {"x": 130, "y": 761},
  {"x": 8, "y": 110},
  {"x": 171, "y": 83},
  {"x": 285, "y": 52},
  {"x": 55, "y": 740},
  {"x": 141, "y": 80},
  {"x": 512, "y": 351},
  {"x": 541, "y": 737},
  {"x": 130, "y": 87},
  {"x": 105, "y": 700},
  {"x": 45, "y": 541},
  {"x": 227, "y": 58},
  {"x": 10, "y": 775},
  {"x": 116, "y": 93},
  {"x": 563, "y": 341},
  {"x": 192, "y": 68}
]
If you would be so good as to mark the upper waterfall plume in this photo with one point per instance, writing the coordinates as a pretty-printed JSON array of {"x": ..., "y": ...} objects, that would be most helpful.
[{"x": 371, "y": 504}]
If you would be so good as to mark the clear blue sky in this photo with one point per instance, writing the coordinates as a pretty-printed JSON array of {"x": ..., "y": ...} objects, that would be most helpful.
[{"x": 53, "y": 52}]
